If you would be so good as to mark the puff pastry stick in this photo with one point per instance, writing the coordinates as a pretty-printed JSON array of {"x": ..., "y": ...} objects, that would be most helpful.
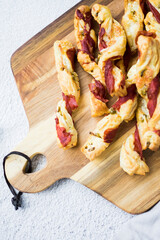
[
  {"x": 69, "y": 83},
  {"x": 147, "y": 134},
  {"x": 112, "y": 45},
  {"x": 86, "y": 43},
  {"x": 131, "y": 161},
  {"x": 147, "y": 67},
  {"x": 152, "y": 25},
  {"x": 106, "y": 128},
  {"x": 132, "y": 21},
  {"x": 66, "y": 132}
]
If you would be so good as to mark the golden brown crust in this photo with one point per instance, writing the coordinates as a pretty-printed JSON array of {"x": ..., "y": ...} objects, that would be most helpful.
[
  {"x": 98, "y": 108},
  {"x": 93, "y": 147},
  {"x": 69, "y": 83},
  {"x": 65, "y": 121},
  {"x": 90, "y": 66},
  {"x": 114, "y": 35},
  {"x": 81, "y": 28},
  {"x": 95, "y": 144},
  {"x": 68, "y": 78},
  {"x": 147, "y": 67},
  {"x": 132, "y": 21},
  {"x": 130, "y": 160},
  {"x": 85, "y": 56},
  {"x": 79, "y": 25},
  {"x": 112, "y": 45},
  {"x": 127, "y": 110}
]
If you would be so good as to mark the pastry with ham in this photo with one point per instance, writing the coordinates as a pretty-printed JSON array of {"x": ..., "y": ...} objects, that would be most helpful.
[
  {"x": 132, "y": 21},
  {"x": 103, "y": 135},
  {"x": 64, "y": 58},
  {"x": 131, "y": 159},
  {"x": 66, "y": 132},
  {"x": 148, "y": 64},
  {"x": 86, "y": 43},
  {"x": 111, "y": 45},
  {"x": 147, "y": 134},
  {"x": 68, "y": 80}
]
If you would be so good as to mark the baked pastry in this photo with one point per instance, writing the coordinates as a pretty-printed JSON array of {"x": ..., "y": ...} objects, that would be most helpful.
[
  {"x": 112, "y": 45},
  {"x": 132, "y": 21},
  {"x": 66, "y": 132},
  {"x": 147, "y": 134},
  {"x": 86, "y": 43},
  {"x": 106, "y": 128},
  {"x": 102, "y": 136},
  {"x": 64, "y": 58},
  {"x": 98, "y": 99},
  {"x": 69, "y": 83},
  {"x": 152, "y": 25},
  {"x": 147, "y": 67},
  {"x": 131, "y": 160},
  {"x": 126, "y": 106}
]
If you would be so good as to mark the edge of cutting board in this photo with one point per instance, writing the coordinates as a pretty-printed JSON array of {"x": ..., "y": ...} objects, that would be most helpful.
[{"x": 23, "y": 55}]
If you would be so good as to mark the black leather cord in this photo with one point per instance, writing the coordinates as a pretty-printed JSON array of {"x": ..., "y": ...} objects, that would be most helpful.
[{"x": 16, "y": 200}]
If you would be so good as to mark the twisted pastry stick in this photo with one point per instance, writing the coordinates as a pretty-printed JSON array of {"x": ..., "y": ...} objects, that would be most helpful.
[
  {"x": 102, "y": 136},
  {"x": 148, "y": 65},
  {"x": 86, "y": 43},
  {"x": 112, "y": 45},
  {"x": 147, "y": 134},
  {"x": 130, "y": 159},
  {"x": 69, "y": 83},
  {"x": 132, "y": 21}
]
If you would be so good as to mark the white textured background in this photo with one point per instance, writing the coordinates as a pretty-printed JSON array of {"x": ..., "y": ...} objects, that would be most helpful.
[{"x": 66, "y": 210}]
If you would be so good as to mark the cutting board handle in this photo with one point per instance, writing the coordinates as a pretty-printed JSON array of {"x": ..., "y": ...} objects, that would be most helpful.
[{"x": 38, "y": 141}]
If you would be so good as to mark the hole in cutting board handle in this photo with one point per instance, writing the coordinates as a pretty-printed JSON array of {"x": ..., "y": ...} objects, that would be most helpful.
[{"x": 38, "y": 162}]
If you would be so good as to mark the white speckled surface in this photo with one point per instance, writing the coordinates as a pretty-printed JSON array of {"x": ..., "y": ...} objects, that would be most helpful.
[{"x": 66, "y": 210}]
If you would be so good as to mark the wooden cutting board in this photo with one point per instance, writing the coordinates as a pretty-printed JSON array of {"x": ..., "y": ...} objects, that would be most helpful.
[{"x": 34, "y": 70}]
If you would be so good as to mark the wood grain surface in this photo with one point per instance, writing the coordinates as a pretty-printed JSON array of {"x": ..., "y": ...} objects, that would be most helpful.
[{"x": 34, "y": 70}]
